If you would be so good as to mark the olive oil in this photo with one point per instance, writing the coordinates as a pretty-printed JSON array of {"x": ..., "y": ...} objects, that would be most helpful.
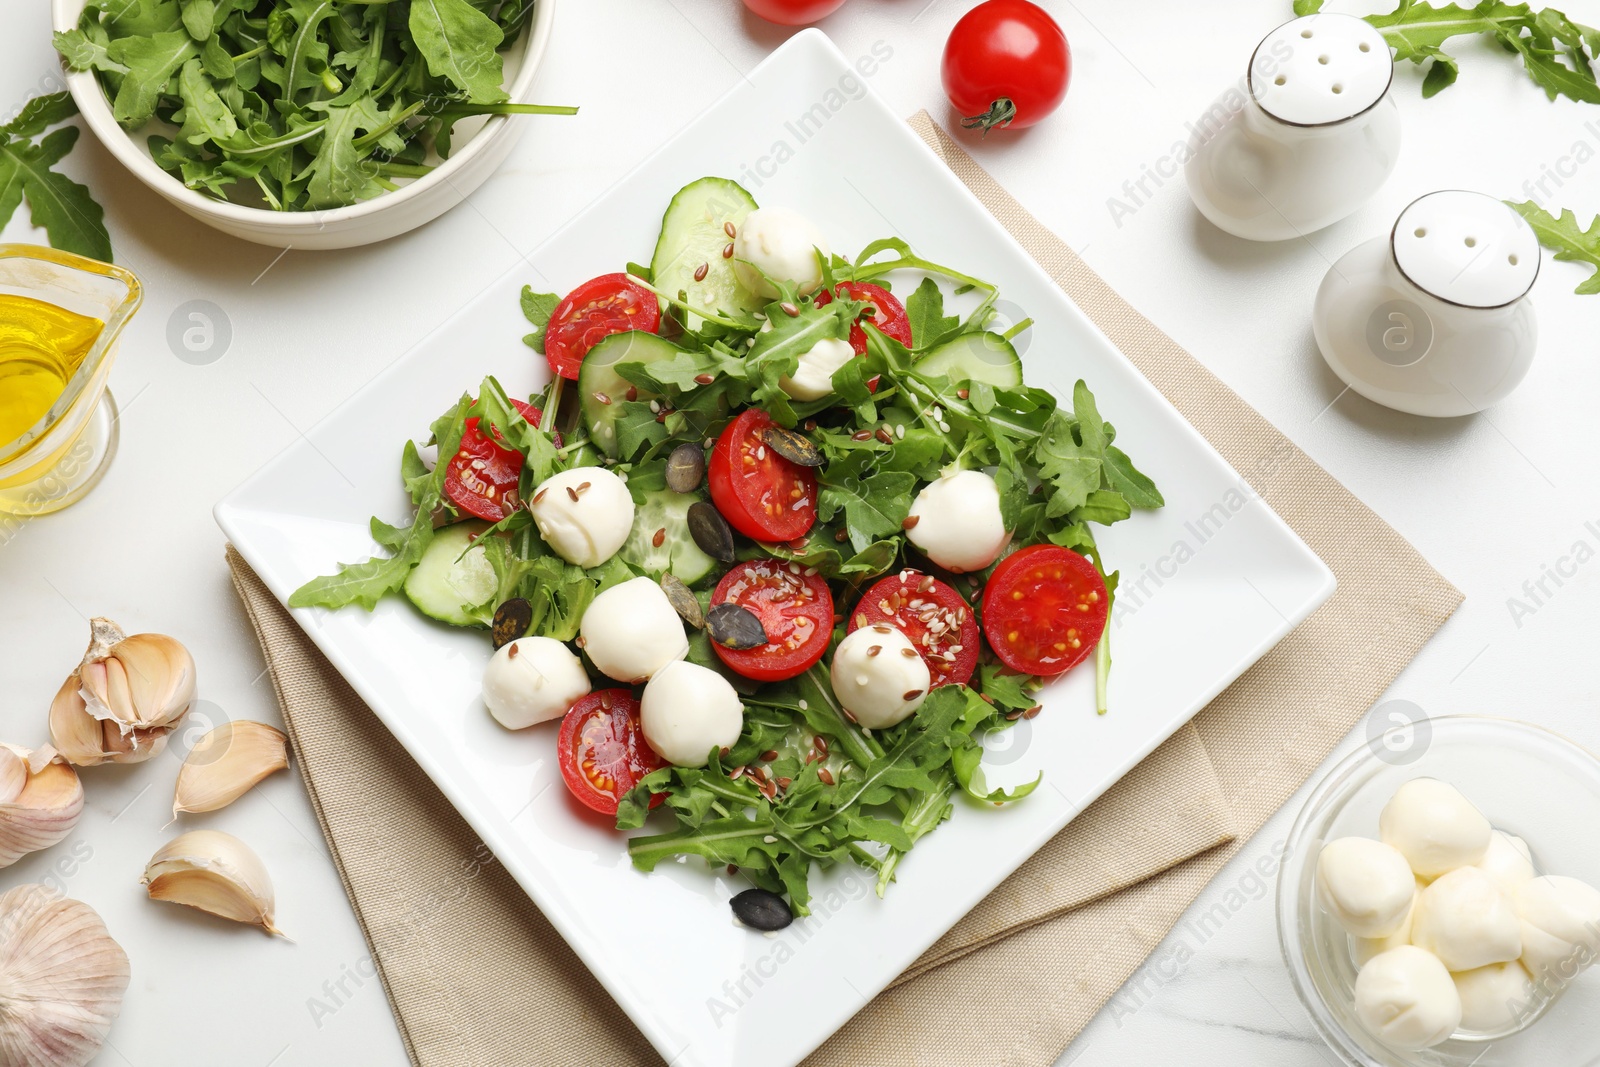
[{"x": 41, "y": 347}]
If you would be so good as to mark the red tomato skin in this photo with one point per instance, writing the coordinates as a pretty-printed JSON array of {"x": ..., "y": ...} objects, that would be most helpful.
[
  {"x": 793, "y": 12},
  {"x": 732, "y": 484},
  {"x": 621, "y": 727},
  {"x": 616, "y": 303},
  {"x": 467, "y": 487},
  {"x": 1069, "y": 610},
  {"x": 773, "y": 662},
  {"x": 935, "y": 600},
  {"x": 1006, "y": 49},
  {"x": 891, "y": 319}
]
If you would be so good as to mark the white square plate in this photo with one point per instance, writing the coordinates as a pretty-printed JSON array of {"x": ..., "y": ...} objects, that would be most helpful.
[{"x": 1213, "y": 580}]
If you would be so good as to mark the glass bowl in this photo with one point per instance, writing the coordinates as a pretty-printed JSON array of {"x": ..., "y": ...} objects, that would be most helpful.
[{"x": 1527, "y": 781}]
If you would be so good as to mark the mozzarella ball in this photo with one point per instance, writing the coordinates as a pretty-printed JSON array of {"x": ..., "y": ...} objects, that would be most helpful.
[
  {"x": 1466, "y": 920},
  {"x": 583, "y": 514},
  {"x": 631, "y": 631},
  {"x": 1364, "y": 949},
  {"x": 1508, "y": 861},
  {"x": 782, "y": 243},
  {"x": 1560, "y": 926},
  {"x": 1434, "y": 827},
  {"x": 532, "y": 680},
  {"x": 1366, "y": 886},
  {"x": 687, "y": 710},
  {"x": 813, "y": 379},
  {"x": 878, "y": 676},
  {"x": 1407, "y": 999},
  {"x": 958, "y": 523},
  {"x": 1494, "y": 998}
]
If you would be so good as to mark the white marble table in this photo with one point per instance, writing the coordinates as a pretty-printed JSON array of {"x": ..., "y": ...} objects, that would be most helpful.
[{"x": 1493, "y": 501}]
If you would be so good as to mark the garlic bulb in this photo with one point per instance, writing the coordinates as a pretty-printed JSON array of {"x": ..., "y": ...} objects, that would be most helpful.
[
  {"x": 40, "y": 801},
  {"x": 213, "y": 872},
  {"x": 61, "y": 979},
  {"x": 124, "y": 698},
  {"x": 226, "y": 764}
]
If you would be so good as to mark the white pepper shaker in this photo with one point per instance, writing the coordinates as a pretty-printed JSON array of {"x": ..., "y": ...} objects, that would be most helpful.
[
  {"x": 1434, "y": 317},
  {"x": 1307, "y": 138}
]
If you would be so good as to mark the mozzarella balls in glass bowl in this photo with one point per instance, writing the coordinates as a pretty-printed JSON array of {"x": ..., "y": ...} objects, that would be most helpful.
[{"x": 1438, "y": 904}]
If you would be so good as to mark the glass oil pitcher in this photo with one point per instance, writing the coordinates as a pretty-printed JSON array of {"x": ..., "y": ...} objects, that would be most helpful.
[{"x": 60, "y": 316}]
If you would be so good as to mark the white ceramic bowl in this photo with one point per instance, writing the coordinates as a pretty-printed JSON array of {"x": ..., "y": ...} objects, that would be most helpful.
[{"x": 479, "y": 150}]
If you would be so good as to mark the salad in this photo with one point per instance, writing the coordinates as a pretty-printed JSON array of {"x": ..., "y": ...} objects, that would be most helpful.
[{"x": 776, "y": 546}]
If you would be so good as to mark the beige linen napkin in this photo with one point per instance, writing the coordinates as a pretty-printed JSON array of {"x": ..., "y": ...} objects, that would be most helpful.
[{"x": 477, "y": 976}]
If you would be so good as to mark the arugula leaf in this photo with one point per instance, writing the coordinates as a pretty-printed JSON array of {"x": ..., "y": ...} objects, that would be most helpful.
[
  {"x": 1559, "y": 54},
  {"x": 1567, "y": 238},
  {"x": 151, "y": 63},
  {"x": 460, "y": 43},
  {"x": 62, "y": 207},
  {"x": 874, "y": 502},
  {"x": 1122, "y": 476},
  {"x": 41, "y": 113},
  {"x": 537, "y": 309},
  {"x": 925, "y": 314}
]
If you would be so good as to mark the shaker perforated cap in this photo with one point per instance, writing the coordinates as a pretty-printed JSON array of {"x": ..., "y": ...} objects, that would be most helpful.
[
  {"x": 1467, "y": 248},
  {"x": 1320, "y": 69}
]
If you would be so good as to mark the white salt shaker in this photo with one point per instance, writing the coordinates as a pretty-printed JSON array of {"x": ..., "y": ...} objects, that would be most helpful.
[
  {"x": 1306, "y": 139},
  {"x": 1434, "y": 318}
]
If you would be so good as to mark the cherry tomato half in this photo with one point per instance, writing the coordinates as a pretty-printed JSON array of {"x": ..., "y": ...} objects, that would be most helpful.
[
  {"x": 796, "y": 610},
  {"x": 1044, "y": 609},
  {"x": 932, "y": 615},
  {"x": 761, "y": 494},
  {"x": 889, "y": 317},
  {"x": 602, "y": 750},
  {"x": 594, "y": 310},
  {"x": 482, "y": 476},
  {"x": 1006, "y": 64},
  {"x": 793, "y": 12}
]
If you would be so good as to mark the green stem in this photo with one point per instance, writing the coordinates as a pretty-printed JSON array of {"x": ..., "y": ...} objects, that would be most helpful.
[
  {"x": 1018, "y": 328},
  {"x": 404, "y": 170},
  {"x": 1102, "y": 670},
  {"x": 256, "y": 51},
  {"x": 371, "y": 137},
  {"x": 700, "y": 312},
  {"x": 505, "y": 109},
  {"x": 927, "y": 813}
]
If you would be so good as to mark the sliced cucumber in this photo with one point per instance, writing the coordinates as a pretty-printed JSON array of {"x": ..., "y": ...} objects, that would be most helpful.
[
  {"x": 602, "y": 389},
  {"x": 665, "y": 510},
  {"x": 693, "y": 236},
  {"x": 975, "y": 357},
  {"x": 453, "y": 576}
]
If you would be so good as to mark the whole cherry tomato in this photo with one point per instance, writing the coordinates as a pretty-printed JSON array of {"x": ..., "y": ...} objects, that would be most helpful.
[
  {"x": 793, "y": 12},
  {"x": 1006, "y": 64}
]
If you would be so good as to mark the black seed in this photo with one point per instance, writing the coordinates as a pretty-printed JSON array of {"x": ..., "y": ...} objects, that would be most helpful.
[
  {"x": 760, "y": 909},
  {"x": 686, "y": 468},
  {"x": 711, "y": 531},
  {"x": 683, "y": 601},
  {"x": 734, "y": 626},
  {"x": 511, "y": 621},
  {"x": 794, "y": 447}
]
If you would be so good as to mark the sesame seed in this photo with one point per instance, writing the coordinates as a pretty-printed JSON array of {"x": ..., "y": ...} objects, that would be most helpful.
[
  {"x": 769, "y": 839},
  {"x": 789, "y": 309},
  {"x": 944, "y": 427},
  {"x": 804, "y": 705},
  {"x": 655, "y": 406},
  {"x": 602, "y": 398}
]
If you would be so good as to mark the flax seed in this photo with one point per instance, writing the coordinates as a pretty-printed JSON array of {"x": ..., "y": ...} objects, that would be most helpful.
[
  {"x": 539, "y": 495},
  {"x": 910, "y": 521},
  {"x": 826, "y": 776},
  {"x": 727, "y": 228},
  {"x": 911, "y": 694},
  {"x": 659, "y": 538},
  {"x": 842, "y": 536},
  {"x": 884, "y": 435},
  {"x": 701, "y": 271},
  {"x": 727, "y": 252},
  {"x": 572, "y": 493},
  {"x": 704, "y": 379},
  {"x": 632, "y": 393},
  {"x": 602, "y": 398},
  {"x": 581, "y": 641},
  {"x": 861, "y": 435},
  {"x": 873, "y": 650},
  {"x": 1033, "y": 712}
]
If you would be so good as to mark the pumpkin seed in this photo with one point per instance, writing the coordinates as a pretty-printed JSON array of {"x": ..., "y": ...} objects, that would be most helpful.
[
  {"x": 511, "y": 621},
  {"x": 761, "y": 909},
  {"x": 682, "y": 600},
  {"x": 711, "y": 531},
  {"x": 792, "y": 446},
  {"x": 735, "y": 626},
  {"x": 686, "y": 468}
]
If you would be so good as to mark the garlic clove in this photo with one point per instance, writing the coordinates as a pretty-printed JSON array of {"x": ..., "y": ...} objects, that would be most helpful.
[
  {"x": 62, "y": 978},
  {"x": 213, "y": 872},
  {"x": 140, "y": 682},
  {"x": 46, "y": 807},
  {"x": 226, "y": 764}
]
